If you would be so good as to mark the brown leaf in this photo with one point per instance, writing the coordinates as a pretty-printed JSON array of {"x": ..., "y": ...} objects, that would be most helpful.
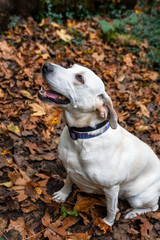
[
  {"x": 132, "y": 231},
  {"x": 46, "y": 220},
  {"x": 18, "y": 225},
  {"x": 79, "y": 236},
  {"x": 50, "y": 234},
  {"x": 85, "y": 203},
  {"x": 28, "y": 207},
  {"x": 32, "y": 147},
  {"x": 60, "y": 227},
  {"x": 98, "y": 57},
  {"x": 37, "y": 109},
  {"x": 143, "y": 109},
  {"x": 146, "y": 227},
  {"x": 3, "y": 224},
  {"x": 128, "y": 59},
  {"x": 102, "y": 225},
  {"x": 155, "y": 137},
  {"x": 64, "y": 35},
  {"x": 155, "y": 215}
]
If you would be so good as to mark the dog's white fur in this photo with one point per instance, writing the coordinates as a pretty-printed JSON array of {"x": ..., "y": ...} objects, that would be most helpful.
[{"x": 116, "y": 163}]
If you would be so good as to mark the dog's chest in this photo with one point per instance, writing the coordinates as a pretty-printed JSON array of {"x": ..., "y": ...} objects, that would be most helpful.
[
  {"x": 83, "y": 163},
  {"x": 75, "y": 168}
]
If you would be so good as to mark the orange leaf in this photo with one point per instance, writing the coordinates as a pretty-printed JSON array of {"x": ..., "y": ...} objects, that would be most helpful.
[
  {"x": 46, "y": 220},
  {"x": 146, "y": 227},
  {"x": 79, "y": 236},
  {"x": 85, "y": 203},
  {"x": 102, "y": 225}
]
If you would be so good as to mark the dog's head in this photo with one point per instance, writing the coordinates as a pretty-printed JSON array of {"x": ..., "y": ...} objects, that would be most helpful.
[{"x": 77, "y": 88}]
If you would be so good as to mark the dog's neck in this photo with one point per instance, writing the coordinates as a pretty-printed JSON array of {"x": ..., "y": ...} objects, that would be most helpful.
[{"x": 80, "y": 119}]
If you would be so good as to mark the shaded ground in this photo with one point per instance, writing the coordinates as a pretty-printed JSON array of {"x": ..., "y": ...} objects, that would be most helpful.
[{"x": 30, "y": 170}]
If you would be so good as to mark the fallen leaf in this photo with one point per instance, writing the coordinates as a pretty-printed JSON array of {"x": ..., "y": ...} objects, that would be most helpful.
[
  {"x": 132, "y": 231},
  {"x": 85, "y": 203},
  {"x": 37, "y": 109},
  {"x": 29, "y": 207},
  {"x": 128, "y": 59},
  {"x": 143, "y": 109},
  {"x": 142, "y": 128},
  {"x": 79, "y": 236},
  {"x": 102, "y": 225},
  {"x": 1, "y": 93},
  {"x": 3, "y": 225},
  {"x": 13, "y": 128},
  {"x": 145, "y": 227},
  {"x": 26, "y": 94},
  {"x": 64, "y": 35},
  {"x": 46, "y": 220},
  {"x": 7, "y": 184},
  {"x": 155, "y": 137},
  {"x": 155, "y": 215},
  {"x": 18, "y": 225},
  {"x": 98, "y": 56},
  {"x": 60, "y": 227}
]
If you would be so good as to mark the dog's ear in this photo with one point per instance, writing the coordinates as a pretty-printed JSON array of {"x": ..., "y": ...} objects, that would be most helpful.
[{"x": 105, "y": 107}]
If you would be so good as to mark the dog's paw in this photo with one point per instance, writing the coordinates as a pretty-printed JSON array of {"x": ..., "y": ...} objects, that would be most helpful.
[
  {"x": 131, "y": 215},
  {"x": 59, "y": 196},
  {"x": 110, "y": 223}
]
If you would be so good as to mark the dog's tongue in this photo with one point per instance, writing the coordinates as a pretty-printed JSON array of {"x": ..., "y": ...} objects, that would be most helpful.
[{"x": 51, "y": 94}]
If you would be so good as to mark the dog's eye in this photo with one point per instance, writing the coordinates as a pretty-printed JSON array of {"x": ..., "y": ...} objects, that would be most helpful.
[{"x": 79, "y": 77}]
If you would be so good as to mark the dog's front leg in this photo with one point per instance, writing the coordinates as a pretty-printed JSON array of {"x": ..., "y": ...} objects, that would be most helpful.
[
  {"x": 111, "y": 195},
  {"x": 62, "y": 195}
]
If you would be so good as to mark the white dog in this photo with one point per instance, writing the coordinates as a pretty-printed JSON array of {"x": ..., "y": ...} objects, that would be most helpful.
[{"x": 98, "y": 154}]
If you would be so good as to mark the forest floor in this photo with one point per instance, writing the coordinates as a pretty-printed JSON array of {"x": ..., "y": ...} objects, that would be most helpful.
[{"x": 30, "y": 170}]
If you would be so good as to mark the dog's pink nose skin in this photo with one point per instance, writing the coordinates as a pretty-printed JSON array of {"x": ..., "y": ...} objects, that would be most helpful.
[{"x": 47, "y": 68}]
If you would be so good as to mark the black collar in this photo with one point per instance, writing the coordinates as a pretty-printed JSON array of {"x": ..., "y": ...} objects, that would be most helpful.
[{"x": 82, "y": 133}]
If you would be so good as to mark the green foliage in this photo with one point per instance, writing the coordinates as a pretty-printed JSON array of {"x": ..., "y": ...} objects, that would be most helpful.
[
  {"x": 142, "y": 26},
  {"x": 71, "y": 213},
  {"x": 13, "y": 21},
  {"x": 48, "y": 13},
  {"x": 110, "y": 31},
  {"x": 153, "y": 59},
  {"x": 118, "y": 26},
  {"x": 148, "y": 27},
  {"x": 80, "y": 12},
  {"x": 106, "y": 27},
  {"x": 131, "y": 19}
]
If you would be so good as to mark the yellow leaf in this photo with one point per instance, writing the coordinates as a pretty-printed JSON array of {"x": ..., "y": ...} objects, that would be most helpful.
[
  {"x": 142, "y": 128},
  {"x": 64, "y": 35},
  {"x": 138, "y": 11},
  {"x": 37, "y": 109},
  {"x": 1, "y": 93},
  {"x": 6, "y": 152},
  {"x": 26, "y": 94},
  {"x": 54, "y": 120},
  {"x": 69, "y": 23},
  {"x": 9, "y": 161},
  {"x": 38, "y": 190},
  {"x": 7, "y": 184},
  {"x": 13, "y": 128}
]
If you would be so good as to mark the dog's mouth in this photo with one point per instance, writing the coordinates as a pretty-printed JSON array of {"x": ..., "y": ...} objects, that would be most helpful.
[{"x": 50, "y": 96}]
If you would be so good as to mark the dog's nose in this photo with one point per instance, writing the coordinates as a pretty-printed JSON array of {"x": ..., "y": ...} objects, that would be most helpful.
[{"x": 47, "y": 68}]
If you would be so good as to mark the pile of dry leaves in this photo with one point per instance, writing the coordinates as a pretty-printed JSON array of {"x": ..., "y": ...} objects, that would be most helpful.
[{"x": 30, "y": 170}]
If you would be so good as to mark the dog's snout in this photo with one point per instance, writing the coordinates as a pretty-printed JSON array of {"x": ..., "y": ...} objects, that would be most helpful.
[{"x": 47, "y": 68}]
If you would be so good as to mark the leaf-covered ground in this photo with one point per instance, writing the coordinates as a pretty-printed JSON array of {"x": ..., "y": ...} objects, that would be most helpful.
[{"x": 30, "y": 170}]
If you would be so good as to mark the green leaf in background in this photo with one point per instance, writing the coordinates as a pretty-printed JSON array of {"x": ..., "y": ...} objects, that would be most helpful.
[{"x": 106, "y": 27}]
